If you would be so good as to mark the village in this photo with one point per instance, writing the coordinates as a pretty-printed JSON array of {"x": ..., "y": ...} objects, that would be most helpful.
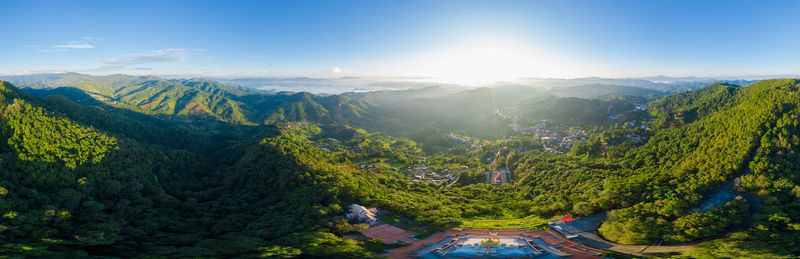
[
  {"x": 560, "y": 139},
  {"x": 555, "y": 138},
  {"x": 420, "y": 173},
  {"x": 458, "y": 140}
]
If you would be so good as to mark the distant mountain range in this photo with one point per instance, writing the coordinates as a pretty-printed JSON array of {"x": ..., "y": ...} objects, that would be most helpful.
[
  {"x": 87, "y": 171},
  {"x": 357, "y": 84},
  {"x": 404, "y": 108}
]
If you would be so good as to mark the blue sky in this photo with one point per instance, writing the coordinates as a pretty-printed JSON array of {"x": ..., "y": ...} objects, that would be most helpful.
[{"x": 480, "y": 40}]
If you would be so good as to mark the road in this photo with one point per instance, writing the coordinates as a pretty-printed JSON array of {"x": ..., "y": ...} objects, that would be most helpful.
[{"x": 586, "y": 228}]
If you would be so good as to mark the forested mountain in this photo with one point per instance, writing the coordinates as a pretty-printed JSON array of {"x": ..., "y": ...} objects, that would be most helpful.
[
  {"x": 603, "y": 91},
  {"x": 407, "y": 113},
  {"x": 77, "y": 184},
  {"x": 82, "y": 175},
  {"x": 578, "y": 111},
  {"x": 731, "y": 133},
  {"x": 194, "y": 97},
  {"x": 75, "y": 187},
  {"x": 660, "y": 84}
]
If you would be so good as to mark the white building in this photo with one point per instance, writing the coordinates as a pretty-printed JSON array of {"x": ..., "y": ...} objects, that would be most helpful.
[{"x": 360, "y": 213}]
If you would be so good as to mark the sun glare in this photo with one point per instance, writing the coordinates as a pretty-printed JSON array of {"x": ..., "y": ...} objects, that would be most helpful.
[{"x": 477, "y": 64}]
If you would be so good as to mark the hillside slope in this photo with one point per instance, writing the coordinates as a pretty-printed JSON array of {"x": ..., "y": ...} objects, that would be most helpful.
[{"x": 93, "y": 179}]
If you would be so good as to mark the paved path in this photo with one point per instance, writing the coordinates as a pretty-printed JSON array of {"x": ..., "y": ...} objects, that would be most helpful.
[{"x": 586, "y": 230}]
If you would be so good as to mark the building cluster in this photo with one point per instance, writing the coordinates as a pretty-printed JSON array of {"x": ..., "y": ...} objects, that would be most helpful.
[
  {"x": 422, "y": 174},
  {"x": 636, "y": 138},
  {"x": 360, "y": 214},
  {"x": 458, "y": 140},
  {"x": 514, "y": 124},
  {"x": 637, "y": 124},
  {"x": 552, "y": 137},
  {"x": 290, "y": 125},
  {"x": 555, "y": 139},
  {"x": 630, "y": 138}
]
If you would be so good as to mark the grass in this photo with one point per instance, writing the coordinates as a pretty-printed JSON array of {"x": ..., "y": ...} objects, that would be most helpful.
[
  {"x": 532, "y": 222},
  {"x": 378, "y": 247},
  {"x": 423, "y": 233},
  {"x": 388, "y": 218},
  {"x": 392, "y": 162}
]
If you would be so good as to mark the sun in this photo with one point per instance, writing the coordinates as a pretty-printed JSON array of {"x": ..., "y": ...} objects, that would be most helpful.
[{"x": 481, "y": 63}]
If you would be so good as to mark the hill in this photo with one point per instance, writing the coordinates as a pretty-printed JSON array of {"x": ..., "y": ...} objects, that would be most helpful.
[
  {"x": 77, "y": 184},
  {"x": 603, "y": 91},
  {"x": 88, "y": 177},
  {"x": 177, "y": 98}
]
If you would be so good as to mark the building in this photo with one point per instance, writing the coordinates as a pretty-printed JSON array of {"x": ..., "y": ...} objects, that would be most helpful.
[
  {"x": 361, "y": 214},
  {"x": 498, "y": 177}
]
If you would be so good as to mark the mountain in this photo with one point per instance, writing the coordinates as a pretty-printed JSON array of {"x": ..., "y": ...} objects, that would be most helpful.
[
  {"x": 90, "y": 178},
  {"x": 603, "y": 91},
  {"x": 578, "y": 111},
  {"x": 661, "y": 86},
  {"x": 322, "y": 86},
  {"x": 729, "y": 135},
  {"x": 196, "y": 99},
  {"x": 177, "y": 98},
  {"x": 84, "y": 180}
]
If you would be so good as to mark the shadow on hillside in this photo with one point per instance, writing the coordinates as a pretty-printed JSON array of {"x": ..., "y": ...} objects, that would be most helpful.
[{"x": 204, "y": 135}]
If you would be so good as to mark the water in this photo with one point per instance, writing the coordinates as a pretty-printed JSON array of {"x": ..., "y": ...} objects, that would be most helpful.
[
  {"x": 490, "y": 251},
  {"x": 470, "y": 248}
]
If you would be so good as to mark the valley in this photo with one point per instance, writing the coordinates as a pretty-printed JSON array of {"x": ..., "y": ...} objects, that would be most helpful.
[
  {"x": 191, "y": 184},
  {"x": 400, "y": 129}
]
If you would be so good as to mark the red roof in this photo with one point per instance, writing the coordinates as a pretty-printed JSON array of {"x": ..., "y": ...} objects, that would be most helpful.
[
  {"x": 498, "y": 178},
  {"x": 567, "y": 218}
]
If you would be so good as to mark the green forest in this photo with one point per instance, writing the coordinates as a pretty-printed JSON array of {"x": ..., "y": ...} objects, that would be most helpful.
[{"x": 123, "y": 166}]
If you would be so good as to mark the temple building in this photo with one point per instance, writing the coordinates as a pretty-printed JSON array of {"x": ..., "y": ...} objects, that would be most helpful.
[{"x": 358, "y": 213}]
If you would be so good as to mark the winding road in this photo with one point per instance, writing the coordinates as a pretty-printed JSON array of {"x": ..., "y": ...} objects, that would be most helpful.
[{"x": 585, "y": 229}]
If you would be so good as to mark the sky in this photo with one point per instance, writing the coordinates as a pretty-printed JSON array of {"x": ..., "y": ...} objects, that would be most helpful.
[{"x": 461, "y": 41}]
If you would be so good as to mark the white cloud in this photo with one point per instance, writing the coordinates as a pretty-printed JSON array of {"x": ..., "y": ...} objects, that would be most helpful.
[
  {"x": 153, "y": 56},
  {"x": 83, "y": 43},
  {"x": 341, "y": 71},
  {"x": 73, "y": 46}
]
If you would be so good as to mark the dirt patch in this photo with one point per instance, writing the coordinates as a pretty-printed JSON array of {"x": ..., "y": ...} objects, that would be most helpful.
[{"x": 196, "y": 108}]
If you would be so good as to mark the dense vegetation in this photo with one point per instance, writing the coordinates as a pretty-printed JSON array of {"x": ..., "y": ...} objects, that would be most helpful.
[
  {"x": 130, "y": 166},
  {"x": 685, "y": 160}
]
